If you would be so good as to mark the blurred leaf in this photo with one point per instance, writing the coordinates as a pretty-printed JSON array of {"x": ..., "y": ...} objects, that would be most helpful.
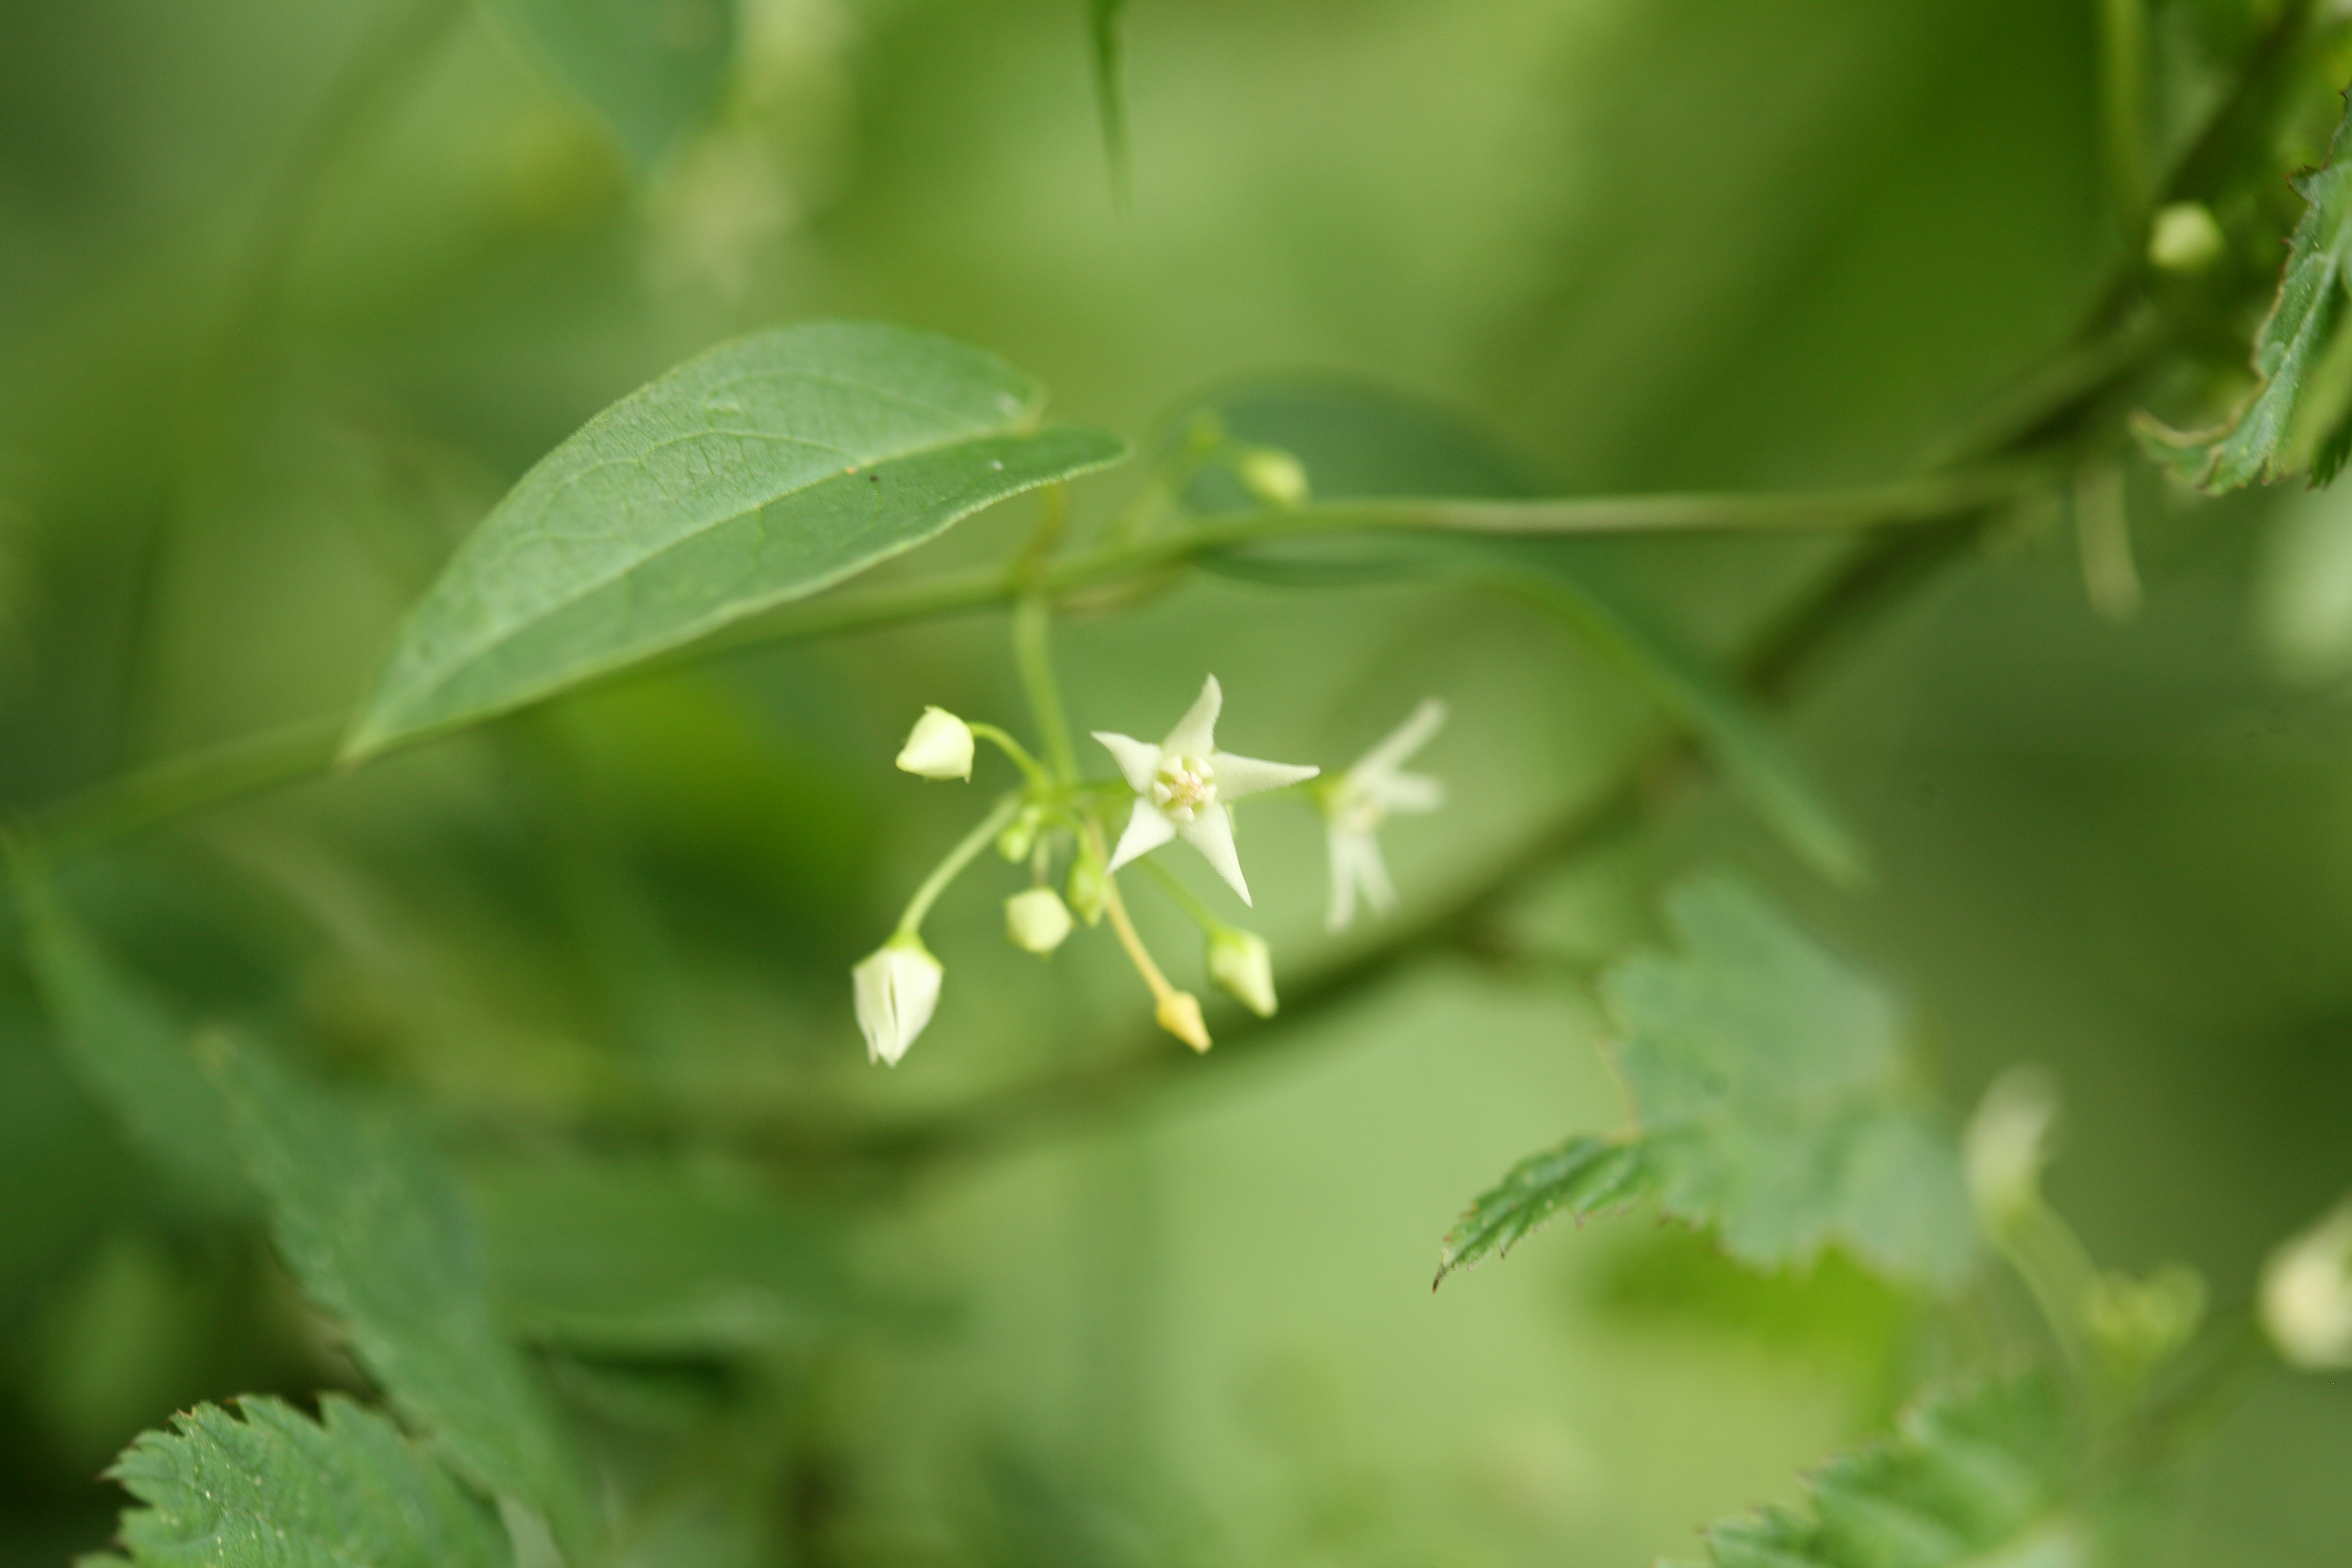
[
  {"x": 2260, "y": 441},
  {"x": 1357, "y": 440},
  {"x": 376, "y": 1231},
  {"x": 1103, "y": 18},
  {"x": 1582, "y": 1176},
  {"x": 1769, "y": 1085},
  {"x": 129, "y": 1053},
  {"x": 1748, "y": 747},
  {"x": 1971, "y": 1478},
  {"x": 759, "y": 472},
  {"x": 279, "y": 1490},
  {"x": 639, "y": 1258},
  {"x": 652, "y": 68}
]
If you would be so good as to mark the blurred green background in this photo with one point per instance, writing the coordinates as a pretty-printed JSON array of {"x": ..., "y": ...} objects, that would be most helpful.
[{"x": 290, "y": 293}]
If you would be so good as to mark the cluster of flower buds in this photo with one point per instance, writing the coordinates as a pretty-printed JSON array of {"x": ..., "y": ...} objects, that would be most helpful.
[{"x": 1180, "y": 788}]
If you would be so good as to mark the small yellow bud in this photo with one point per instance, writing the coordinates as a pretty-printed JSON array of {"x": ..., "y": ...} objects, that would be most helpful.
[
  {"x": 1086, "y": 886},
  {"x": 938, "y": 747},
  {"x": 2307, "y": 1296},
  {"x": 1037, "y": 920},
  {"x": 2008, "y": 1143},
  {"x": 1020, "y": 834},
  {"x": 1240, "y": 963},
  {"x": 1179, "y": 1012},
  {"x": 2184, "y": 238},
  {"x": 1271, "y": 475}
]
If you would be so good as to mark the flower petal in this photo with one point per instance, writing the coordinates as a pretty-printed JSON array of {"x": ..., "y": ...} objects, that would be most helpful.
[
  {"x": 1212, "y": 833},
  {"x": 1342, "y": 912},
  {"x": 1238, "y": 776},
  {"x": 1138, "y": 761},
  {"x": 1146, "y": 830},
  {"x": 1195, "y": 734},
  {"x": 1409, "y": 793},
  {"x": 1403, "y": 740}
]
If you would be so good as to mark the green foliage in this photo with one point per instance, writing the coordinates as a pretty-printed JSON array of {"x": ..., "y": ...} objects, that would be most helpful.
[
  {"x": 757, "y": 473},
  {"x": 1772, "y": 1096},
  {"x": 1358, "y": 441},
  {"x": 378, "y": 1235},
  {"x": 127, "y": 1053},
  {"x": 652, "y": 68},
  {"x": 1103, "y": 24},
  {"x": 1584, "y": 1175},
  {"x": 276, "y": 1489},
  {"x": 2299, "y": 383},
  {"x": 1981, "y": 1476}
]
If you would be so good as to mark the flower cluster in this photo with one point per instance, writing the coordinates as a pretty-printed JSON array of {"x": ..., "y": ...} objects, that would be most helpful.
[{"x": 1180, "y": 788}]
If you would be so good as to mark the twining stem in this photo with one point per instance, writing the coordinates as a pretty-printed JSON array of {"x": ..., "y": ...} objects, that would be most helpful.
[
  {"x": 1035, "y": 659},
  {"x": 971, "y": 844},
  {"x": 1182, "y": 897},
  {"x": 1030, "y": 767}
]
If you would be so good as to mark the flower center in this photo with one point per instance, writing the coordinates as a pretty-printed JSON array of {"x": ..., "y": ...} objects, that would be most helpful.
[
  {"x": 1184, "y": 788},
  {"x": 1355, "y": 809}
]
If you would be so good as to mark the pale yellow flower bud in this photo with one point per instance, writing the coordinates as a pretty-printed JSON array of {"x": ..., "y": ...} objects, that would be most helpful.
[
  {"x": 895, "y": 988},
  {"x": 1240, "y": 963},
  {"x": 2306, "y": 1304},
  {"x": 1272, "y": 475},
  {"x": 1179, "y": 1012},
  {"x": 1037, "y": 920},
  {"x": 1086, "y": 886},
  {"x": 938, "y": 747}
]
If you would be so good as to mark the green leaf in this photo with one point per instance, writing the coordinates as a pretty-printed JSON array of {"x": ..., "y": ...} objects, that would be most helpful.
[
  {"x": 1582, "y": 1176},
  {"x": 1774, "y": 1095},
  {"x": 1358, "y": 441},
  {"x": 279, "y": 1490},
  {"x": 375, "y": 1230},
  {"x": 2265, "y": 438},
  {"x": 640, "y": 1258},
  {"x": 1984, "y": 1477},
  {"x": 1774, "y": 1103},
  {"x": 651, "y": 69},
  {"x": 761, "y": 472},
  {"x": 127, "y": 1053},
  {"x": 1103, "y": 20}
]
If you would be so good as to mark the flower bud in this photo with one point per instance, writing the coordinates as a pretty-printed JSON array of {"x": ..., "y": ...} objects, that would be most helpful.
[
  {"x": 2184, "y": 238},
  {"x": 2140, "y": 1322},
  {"x": 897, "y": 986},
  {"x": 1271, "y": 475},
  {"x": 1179, "y": 1012},
  {"x": 1037, "y": 920},
  {"x": 1086, "y": 887},
  {"x": 940, "y": 746},
  {"x": 1240, "y": 962},
  {"x": 2008, "y": 1143},
  {"x": 2306, "y": 1305},
  {"x": 1020, "y": 834}
]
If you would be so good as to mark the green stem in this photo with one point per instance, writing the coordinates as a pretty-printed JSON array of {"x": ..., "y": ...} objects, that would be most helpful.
[
  {"x": 187, "y": 782},
  {"x": 945, "y": 871},
  {"x": 1182, "y": 897},
  {"x": 2123, "y": 54},
  {"x": 1030, "y": 651},
  {"x": 2057, "y": 1270},
  {"x": 1014, "y": 749}
]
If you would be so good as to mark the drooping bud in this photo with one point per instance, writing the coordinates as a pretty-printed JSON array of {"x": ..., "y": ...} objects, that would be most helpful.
[
  {"x": 897, "y": 986},
  {"x": 1085, "y": 885},
  {"x": 1020, "y": 834},
  {"x": 2140, "y": 1322},
  {"x": 1240, "y": 962},
  {"x": 938, "y": 747},
  {"x": 2307, "y": 1306},
  {"x": 1271, "y": 475},
  {"x": 2008, "y": 1143},
  {"x": 1037, "y": 920},
  {"x": 1179, "y": 1012}
]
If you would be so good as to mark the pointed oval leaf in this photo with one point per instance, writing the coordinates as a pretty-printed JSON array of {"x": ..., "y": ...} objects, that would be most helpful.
[
  {"x": 650, "y": 67},
  {"x": 761, "y": 472}
]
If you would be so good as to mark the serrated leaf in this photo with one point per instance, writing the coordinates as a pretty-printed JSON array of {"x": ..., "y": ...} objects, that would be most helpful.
[
  {"x": 1358, "y": 441},
  {"x": 758, "y": 473},
  {"x": 641, "y": 1258},
  {"x": 1774, "y": 1097},
  {"x": 2258, "y": 441},
  {"x": 127, "y": 1053},
  {"x": 376, "y": 1231},
  {"x": 276, "y": 1489},
  {"x": 1582, "y": 1176},
  {"x": 1983, "y": 1476},
  {"x": 650, "y": 68}
]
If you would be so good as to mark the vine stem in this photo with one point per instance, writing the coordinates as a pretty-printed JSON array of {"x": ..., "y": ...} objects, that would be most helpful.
[{"x": 998, "y": 818}]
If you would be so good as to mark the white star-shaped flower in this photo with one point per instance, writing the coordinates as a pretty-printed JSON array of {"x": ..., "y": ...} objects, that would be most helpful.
[
  {"x": 1355, "y": 803},
  {"x": 1182, "y": 784}
]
